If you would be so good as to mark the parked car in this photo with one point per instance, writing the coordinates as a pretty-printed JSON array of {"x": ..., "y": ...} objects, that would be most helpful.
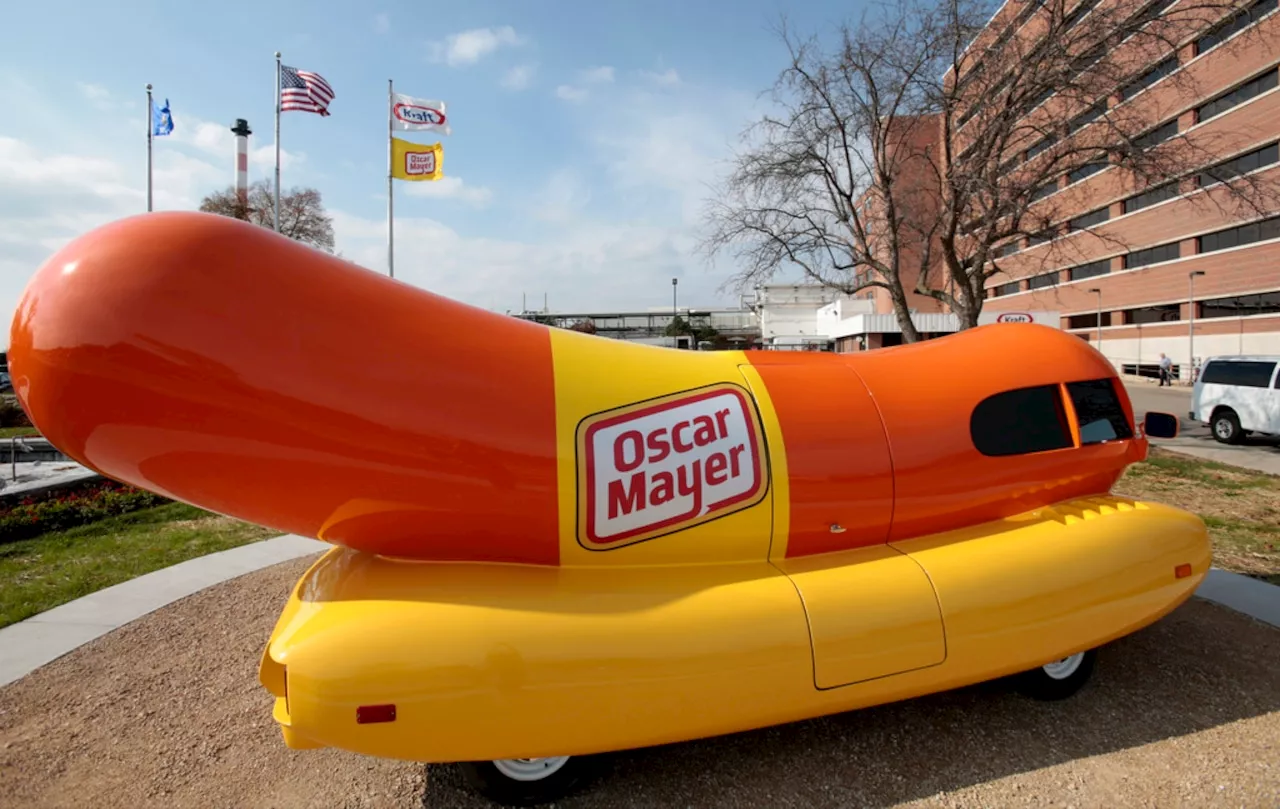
[{"x": 1238, "y": 395}]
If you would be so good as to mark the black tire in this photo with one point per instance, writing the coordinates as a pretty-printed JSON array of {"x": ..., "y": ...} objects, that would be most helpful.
[
  {"x": 1059, "y": 679},
  {"x": 494, "y": 781},
  {"x": 1226, "y": 426}
]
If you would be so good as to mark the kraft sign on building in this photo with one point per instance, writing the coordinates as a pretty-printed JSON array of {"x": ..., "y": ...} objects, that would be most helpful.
[
  {"x": 1014, "y": 316},
  {"x": 657, "y": 467}
]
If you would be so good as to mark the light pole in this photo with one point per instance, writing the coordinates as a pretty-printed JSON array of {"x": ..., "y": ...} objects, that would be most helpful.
[
  {"x": 1098, "y": 292},
  {"x": 1191, "y": 323}
]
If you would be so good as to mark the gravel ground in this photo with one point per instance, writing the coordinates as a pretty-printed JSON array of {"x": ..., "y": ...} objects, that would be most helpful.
[{"x": 167, "y": 712}]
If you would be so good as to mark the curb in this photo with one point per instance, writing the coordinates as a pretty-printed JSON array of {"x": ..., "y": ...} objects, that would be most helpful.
[
  {"x": 43, "y": 638},
  {"x": 1253, "y": 597}
]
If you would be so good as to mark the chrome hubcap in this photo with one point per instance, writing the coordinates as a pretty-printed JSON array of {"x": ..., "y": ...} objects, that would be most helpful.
[
  {"x": 1224, "y": 428},
  {"x": 1064, "y": 668},
  {"x": 530, "y": 769}
]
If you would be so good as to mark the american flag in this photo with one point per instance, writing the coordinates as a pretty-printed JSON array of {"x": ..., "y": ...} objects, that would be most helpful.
[{"x": 303, "y": 90}]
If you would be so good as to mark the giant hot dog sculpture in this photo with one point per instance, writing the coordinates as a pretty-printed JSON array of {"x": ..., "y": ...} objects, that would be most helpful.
[{"x": 549, "y": 543}]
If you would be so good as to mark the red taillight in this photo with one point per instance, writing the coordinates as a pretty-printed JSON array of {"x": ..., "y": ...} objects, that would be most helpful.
[
  {"x": 367, "y": 714},
  {"x": 1182, "y": 571}
]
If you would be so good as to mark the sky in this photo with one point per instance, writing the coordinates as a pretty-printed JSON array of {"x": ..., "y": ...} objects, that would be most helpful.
[{"x": 586, "y": 136}]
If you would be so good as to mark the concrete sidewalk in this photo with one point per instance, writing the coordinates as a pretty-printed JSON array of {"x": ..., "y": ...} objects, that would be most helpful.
[
  {"x": 42, "y": 638},
  {"x": 30, "y": 644}
]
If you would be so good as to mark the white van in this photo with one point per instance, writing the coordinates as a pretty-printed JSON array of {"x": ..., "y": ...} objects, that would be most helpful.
[{"x": 1238, "y": 395}]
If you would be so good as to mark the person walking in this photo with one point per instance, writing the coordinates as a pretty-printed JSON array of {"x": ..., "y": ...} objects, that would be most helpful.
[{"x": 1166, "y": 370}]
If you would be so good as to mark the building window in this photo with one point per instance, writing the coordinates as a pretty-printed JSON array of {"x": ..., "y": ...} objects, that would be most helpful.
[
  {"x": 1007, "y": 289},
  {"x": 1154, "y": 314},
  {"x": 1040, "y": 146},
  {"x": 1237, "y": 22},
  {"x": 1090, "y": 219},
  {"x": 1245, "y": 373},
  {"x": 1087, "y": 117},
  {"x": 1006, "y": 250},
  {"x": 1239, "y": 235},
  {"x": 1155, "y": 74},
  {"x": 1044, "y": 96},
  {"x": 1151, "y": 12},
  {"x": 1158, "y": 135},
  {"x": 1152, "y": 196},
  {"x": 1041, "y": 281},
  {"x": 1099, "y": 414},
  {"x": 1241, "y": 165},
  {"x": 1045, "y": 190},
  {"x": 1151, "y": 255},
  {"x": 1086, "y": 170},
  {"x": 1021, "y": 421},
  {"x": 1088, "y": 321},
  {"x": 1264, "y": 303},
  {"x": 1041, "y": 238},
  {"x": 1078, "y": 13},
  {"x": 1221, "y": 103},
  {"x": 1090, "y": 270}
]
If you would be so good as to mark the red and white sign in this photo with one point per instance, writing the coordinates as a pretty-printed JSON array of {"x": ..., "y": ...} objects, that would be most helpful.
[
  {"x": 664, "y": 466},
  {"x": 1044, "y": 318},
  {"x": 417, "y": 163}
]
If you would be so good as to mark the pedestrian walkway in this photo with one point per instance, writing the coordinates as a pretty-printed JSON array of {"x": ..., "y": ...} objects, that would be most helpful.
[
  {"x": 30, "y": 644},
  {"x": 43, "y": 638}
]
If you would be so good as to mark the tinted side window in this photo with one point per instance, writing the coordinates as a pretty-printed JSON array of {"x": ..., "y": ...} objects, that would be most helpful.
[
  {"x": 1098, "y": 411},
  {"x": 1020, "y": 421},
  {"x": 1249, "y": 374}
]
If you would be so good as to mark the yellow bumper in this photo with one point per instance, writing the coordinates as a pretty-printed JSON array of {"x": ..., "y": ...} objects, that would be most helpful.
[{"x": 499, "y": 661}]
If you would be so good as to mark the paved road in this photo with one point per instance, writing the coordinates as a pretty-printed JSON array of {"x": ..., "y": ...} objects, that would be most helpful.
[{"x": 1262, "y": 454}]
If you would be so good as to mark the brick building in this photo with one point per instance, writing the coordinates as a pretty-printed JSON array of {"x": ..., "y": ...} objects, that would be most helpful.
[{"x": 1183, "y": 266}]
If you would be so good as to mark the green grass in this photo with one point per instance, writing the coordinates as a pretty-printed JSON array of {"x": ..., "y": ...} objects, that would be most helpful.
[
  {"x": 40, "y": 573},
  {"x": 1240, "y": 507},
  {"x": 12, "y": 432}
]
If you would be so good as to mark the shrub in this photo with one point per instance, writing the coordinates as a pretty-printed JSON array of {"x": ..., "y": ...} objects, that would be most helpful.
[
  {"x": 12, "y": 414},
  {"x": 32, "y": 516}
]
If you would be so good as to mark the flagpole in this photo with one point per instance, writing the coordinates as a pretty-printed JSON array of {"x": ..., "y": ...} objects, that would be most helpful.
[
  {"x": 150, "y": 128},
  {"x": 276, "y": 217},
  {"x": 391, "y": 236}
]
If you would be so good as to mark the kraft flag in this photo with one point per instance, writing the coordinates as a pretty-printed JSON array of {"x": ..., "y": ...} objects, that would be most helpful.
[
  {"x": 418, "y": 115},
  {"x": 161, "y": 119},
  {"x": 416, "y": 161}
]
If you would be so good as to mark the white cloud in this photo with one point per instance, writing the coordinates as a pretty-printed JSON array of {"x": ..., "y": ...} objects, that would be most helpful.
[
  {"x": 94, "y": 92},
  {"x": 469, "y": 47},
  {"x": 598, "y": 75},
  {"x": 382, "y": 23},
  {"x": 668, "y": 77},
  {"x": 451, "y": 188},
  {"x": 606, "y": 228},
  {"x": 591, "y": 268},
  {"x": 518, "y": 77},
  {"x": 570, "y": 93},
  {"x": 217, "y": 141}
]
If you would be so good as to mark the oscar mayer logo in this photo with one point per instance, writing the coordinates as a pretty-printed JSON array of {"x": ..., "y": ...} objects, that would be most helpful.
[
  {"x": 1015, "y": 317},
  {"x": 668, "y": 464}
]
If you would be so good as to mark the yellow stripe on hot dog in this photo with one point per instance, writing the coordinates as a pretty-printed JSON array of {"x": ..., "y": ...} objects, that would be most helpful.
[{"x": 702, "y": 492}]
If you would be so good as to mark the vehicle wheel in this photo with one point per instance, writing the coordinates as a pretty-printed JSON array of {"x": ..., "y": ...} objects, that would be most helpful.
[
  {"x": 1059, "y": 679},
  {"x": 528, "y": 781},
  {"x": 1226, "y": 426}
]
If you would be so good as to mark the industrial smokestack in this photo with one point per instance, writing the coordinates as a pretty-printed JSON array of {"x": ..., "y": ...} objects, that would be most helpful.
[{"x": 242, "y": 133}]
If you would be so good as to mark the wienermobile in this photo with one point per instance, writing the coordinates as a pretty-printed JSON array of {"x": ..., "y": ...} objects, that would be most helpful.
[{"x": 549, "y": 545}]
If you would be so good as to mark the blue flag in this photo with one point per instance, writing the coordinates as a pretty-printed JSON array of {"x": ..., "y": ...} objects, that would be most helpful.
[{"x": 161, "y": 119}]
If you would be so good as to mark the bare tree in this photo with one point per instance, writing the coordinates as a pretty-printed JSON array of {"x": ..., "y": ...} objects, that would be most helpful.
[
  {"x": 883, "y": 170},
  {"x": 302, "y": 214}
]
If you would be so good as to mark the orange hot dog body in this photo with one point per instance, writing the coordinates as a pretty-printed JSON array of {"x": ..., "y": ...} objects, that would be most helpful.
[
  {"x": 220, "y": 364},
  {"x": 215, "y": 362}
]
